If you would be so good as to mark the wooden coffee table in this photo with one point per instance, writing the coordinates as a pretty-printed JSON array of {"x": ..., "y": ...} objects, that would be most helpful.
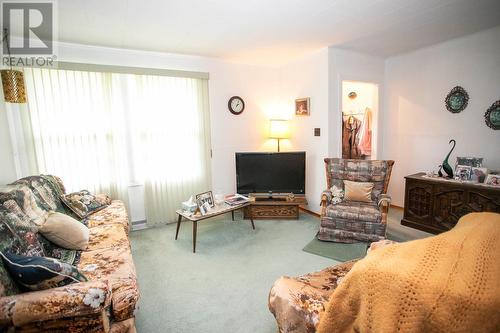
[{"x": 196, "y": 218}]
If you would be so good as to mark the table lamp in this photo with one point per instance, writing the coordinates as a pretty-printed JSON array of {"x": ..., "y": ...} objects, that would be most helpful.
[{"x": 278, "y": 129}]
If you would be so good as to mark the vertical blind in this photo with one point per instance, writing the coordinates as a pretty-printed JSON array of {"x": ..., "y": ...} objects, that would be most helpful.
[{"x": 104, "y": 131}]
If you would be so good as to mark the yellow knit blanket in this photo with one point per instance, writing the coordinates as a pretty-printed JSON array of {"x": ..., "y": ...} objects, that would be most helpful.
[{"x": 445, "y": 283}]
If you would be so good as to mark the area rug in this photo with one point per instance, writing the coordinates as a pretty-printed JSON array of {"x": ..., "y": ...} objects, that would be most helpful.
[{"x": 338, "y": 251}]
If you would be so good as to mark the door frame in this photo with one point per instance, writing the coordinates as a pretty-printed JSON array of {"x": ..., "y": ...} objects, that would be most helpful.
[{"x": 378, "y": 119}]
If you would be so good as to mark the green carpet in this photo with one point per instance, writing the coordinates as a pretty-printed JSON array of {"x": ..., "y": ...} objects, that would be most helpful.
[
  {"x": 224, "y": 286},
  {"x": 337, "y": 251}
]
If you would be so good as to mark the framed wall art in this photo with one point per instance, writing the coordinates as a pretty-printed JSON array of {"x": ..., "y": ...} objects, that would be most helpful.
[
  {"x": 492, "y": 116},
  {"x": 302, "y": 106},
  {"x": 457, "y": 99}
]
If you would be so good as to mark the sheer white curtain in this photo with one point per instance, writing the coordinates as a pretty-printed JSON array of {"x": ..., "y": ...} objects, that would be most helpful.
[
  {"x": 171, "y": 140},
  {"x": 103, "y": 131},
  {"x": 78, "y": 132}
]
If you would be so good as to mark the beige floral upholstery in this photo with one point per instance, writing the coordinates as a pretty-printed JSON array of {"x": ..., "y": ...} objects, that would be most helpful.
[
  {"x": 297, "y": 303},
  {"x": 106, "y": 303},
  {"x": 116, "y": 266},
  {"x": 114, "y": 213},
  {"x": 353, "y": 221},
  {"x": 88, "y": 299}
]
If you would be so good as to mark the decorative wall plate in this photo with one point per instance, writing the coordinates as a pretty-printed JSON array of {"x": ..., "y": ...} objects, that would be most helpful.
[
  {"x": 492, "y": 116},
  {"x": 456, "y": 101}
]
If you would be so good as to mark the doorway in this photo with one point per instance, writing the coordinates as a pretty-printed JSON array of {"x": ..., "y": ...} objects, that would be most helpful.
[{"x": 359, "y": 107}]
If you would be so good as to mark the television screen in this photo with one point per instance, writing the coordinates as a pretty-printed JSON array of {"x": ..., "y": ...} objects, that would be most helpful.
[{"x": 271, "y": 172}]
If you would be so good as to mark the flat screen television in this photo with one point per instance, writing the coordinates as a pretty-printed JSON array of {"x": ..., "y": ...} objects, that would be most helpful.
[{"x": 271, "y": 172}]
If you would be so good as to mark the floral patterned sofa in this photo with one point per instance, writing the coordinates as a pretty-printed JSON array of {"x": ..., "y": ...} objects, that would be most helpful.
[{"x": 106, "y": 303}]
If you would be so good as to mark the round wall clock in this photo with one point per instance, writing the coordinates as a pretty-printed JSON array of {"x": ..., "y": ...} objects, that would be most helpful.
[
  {"x": 492, "y": 116},
  {"x": 236, "y": 105},
  {"x": 456, "y": 101}
]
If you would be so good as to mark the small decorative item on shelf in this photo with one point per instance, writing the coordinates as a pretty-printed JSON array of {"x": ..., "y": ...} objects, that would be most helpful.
[
  {"x": 457, "y": 99},
  {"x": 446, "y": 165},
  {"x": 462, "y": 172},
  {"x": 493, "y": 180},
  {"x": 492, "y": 116},
  {"x": 478, "y": 175},
  {"x": 440, "y": 173},
  {"x": 291, "y": 197}
]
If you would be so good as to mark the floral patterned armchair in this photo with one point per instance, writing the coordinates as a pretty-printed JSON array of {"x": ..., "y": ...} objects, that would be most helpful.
[{"x": 353, "y": 221}]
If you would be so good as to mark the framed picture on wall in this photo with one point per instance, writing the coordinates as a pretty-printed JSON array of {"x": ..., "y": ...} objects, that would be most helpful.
[{"x": 302, "y": 107}]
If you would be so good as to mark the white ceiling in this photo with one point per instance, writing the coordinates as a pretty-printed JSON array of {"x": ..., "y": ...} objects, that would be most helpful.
[{"x": 271, "y": 31}]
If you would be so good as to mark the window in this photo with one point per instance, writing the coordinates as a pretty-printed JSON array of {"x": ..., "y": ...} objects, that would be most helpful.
[{"x": 103, "y": 131}]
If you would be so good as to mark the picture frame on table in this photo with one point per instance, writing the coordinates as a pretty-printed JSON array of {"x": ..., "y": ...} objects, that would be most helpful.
[
  {"x": 208, "y": 197},
  {"x": 470, "y": 161},
  {"x": 492, "y": 180},
  {"x": 204, "y": 207},
  {"x": 463, "y": 172},
  {"x": 478, "y": 174}
]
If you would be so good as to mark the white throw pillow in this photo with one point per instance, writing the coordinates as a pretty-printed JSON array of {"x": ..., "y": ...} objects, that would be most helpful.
[{"x": 65, "y": 231}]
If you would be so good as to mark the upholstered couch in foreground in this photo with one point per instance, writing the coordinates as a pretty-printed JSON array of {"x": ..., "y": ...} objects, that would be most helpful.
[
  {"x": 444, "y": 283},
  {"x": 106, "y": 303}
]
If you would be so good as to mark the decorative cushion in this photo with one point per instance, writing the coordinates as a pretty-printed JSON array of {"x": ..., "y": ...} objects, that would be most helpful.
[
  {"x": 358, "y": 191},
  {"x": 65, "y": 231},
  {"x": 337, "y": 193},
  {"x": 83, "y": 203},
  {"x": 39, "y": 273}
]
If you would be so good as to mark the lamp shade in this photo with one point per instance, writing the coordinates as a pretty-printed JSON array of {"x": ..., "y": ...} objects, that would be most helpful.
[
  {"x": 279, "y": 129},
  {"x": 13, "y": 86}
]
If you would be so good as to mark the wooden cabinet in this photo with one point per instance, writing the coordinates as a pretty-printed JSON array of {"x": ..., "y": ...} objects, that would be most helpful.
[
  {"x": 436, "y": 205},
  {"x": 274, "y": 208}
]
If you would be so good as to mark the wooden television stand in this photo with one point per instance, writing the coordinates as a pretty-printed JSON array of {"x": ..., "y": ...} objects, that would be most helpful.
[{"x": 274, "y": 206}]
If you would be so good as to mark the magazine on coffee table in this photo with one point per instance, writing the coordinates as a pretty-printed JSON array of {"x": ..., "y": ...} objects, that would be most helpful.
[{"x": 236, "y": 199}]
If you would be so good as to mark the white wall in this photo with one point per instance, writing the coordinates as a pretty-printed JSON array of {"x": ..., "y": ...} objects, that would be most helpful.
[
  {"x": 308, "y": 77},
  {"x": 417, "y": 126}
]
